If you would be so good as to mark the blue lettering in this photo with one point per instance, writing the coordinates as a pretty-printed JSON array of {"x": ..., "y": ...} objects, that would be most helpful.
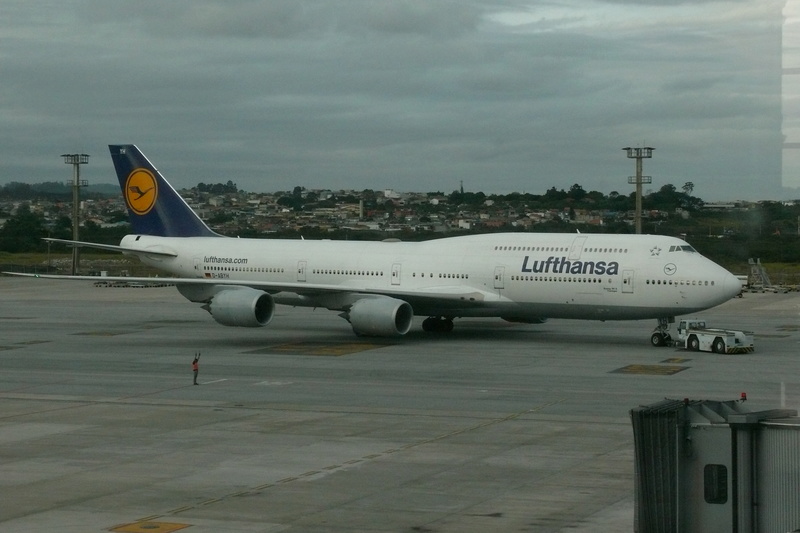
[
  {"x": 537, "y": 266},
  {"x": 561, "y": 265}
]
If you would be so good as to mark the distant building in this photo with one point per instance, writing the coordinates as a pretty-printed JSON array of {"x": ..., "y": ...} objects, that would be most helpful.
[{"x": 391, "y": 194}]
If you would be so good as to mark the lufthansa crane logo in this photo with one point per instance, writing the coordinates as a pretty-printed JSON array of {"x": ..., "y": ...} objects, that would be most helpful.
[{"x": 141, "y": 191}]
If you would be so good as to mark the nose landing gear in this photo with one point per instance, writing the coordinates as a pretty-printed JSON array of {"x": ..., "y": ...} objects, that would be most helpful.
[{"x": 660, "y": 335}]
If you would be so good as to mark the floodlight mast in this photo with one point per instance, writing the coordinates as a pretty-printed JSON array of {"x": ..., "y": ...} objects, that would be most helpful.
[
  {"x": 639, "y": 154},
  {"x": 76, "y": 160}
]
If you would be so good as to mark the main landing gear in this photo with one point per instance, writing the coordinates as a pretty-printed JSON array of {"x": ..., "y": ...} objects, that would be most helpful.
[
  {"x": 661, "y": 336},
  {"x": 437, "y": 324}
]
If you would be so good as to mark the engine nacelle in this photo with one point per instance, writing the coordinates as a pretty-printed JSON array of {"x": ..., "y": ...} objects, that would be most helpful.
[
  {"x": 243, "y": 307},
  {"x": 380, "y": 317}
]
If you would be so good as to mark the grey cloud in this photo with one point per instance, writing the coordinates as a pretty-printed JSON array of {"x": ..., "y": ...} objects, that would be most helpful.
[{"x": 369, "y": 94}]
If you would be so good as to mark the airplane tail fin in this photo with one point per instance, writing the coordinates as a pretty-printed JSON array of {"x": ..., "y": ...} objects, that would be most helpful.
[{"x": 155, "y": 208}]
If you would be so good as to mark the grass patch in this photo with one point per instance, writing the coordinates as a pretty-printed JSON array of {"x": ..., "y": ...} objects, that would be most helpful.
[{"x": 90, "y": 263}]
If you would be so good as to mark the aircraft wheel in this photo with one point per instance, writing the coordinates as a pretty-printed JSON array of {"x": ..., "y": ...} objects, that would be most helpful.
[
  {"x": 434, "y": 324},
  {"x": 657, "y": 339}
]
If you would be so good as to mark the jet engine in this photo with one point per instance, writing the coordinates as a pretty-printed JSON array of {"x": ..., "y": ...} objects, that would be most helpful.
[
  {"x": 243, "y": 307},
  {"x": 380, "y": 317}
]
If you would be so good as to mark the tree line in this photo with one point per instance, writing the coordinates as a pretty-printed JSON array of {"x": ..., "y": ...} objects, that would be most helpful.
[
  {"x": 52, "y": 191},
  {"x": 767, "y": 230}
]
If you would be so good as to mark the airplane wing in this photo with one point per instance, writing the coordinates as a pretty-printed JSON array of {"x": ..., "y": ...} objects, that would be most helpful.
[{"x": 454, "y": 294}]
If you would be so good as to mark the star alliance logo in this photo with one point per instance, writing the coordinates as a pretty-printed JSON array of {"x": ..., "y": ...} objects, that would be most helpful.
[{"x": 654, "y": 251}]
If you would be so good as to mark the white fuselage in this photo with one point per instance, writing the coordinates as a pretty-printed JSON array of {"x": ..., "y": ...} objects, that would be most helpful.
[{"x": 522, "y": 276}]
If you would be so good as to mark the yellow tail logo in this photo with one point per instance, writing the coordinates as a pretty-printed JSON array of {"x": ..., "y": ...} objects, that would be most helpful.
[{"x": 141, "y": 191}]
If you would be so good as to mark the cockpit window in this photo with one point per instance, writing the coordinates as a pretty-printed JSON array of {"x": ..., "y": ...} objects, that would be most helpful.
[{"x": 684, "y": 248}]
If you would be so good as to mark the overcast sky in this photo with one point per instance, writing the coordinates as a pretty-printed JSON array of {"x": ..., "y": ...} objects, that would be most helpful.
[{"x": 413, "y": 95}]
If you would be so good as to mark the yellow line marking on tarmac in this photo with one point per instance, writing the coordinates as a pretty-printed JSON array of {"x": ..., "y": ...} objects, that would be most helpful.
[
  {"x": 149, "y": 527},
  {"x": 101, "y": 333},
  {"x": 652, "y": 370},
  {"x": 320, "y": 348}
]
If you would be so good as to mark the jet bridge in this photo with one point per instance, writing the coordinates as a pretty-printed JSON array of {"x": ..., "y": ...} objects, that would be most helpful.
[{"x": 704, "y": 466}]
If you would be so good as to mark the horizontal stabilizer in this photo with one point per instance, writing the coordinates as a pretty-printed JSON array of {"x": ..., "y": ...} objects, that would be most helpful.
[{"x": 110, "y": 247}]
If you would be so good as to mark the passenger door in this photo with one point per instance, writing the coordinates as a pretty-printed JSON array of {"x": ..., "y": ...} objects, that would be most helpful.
[
  {"x": 499, "y": 275},
  {"x": 627, "y": 281},
  {"x": 396, "y": 274}
]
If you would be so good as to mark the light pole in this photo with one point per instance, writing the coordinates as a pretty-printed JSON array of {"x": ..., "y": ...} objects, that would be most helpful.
[
  {"x": 639, "y": 154},
  {"x": 76, "y": 160}
]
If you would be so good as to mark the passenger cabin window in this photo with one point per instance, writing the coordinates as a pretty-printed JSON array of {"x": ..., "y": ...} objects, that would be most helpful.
[{"x": 564, "y": 249}]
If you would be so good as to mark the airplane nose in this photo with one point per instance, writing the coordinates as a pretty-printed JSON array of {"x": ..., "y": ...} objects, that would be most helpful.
[{"x": 732, "y": 285}]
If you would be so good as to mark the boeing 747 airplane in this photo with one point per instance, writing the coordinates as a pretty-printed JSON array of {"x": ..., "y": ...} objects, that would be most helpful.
[{"x": 378, "y": 287}]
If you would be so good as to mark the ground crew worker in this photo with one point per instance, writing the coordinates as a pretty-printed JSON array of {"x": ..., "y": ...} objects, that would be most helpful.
[{"x": 196, "y": 366}]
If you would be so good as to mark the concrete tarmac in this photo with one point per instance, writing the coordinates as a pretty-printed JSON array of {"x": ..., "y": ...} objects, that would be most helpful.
[{"x": 303, "y": 427}]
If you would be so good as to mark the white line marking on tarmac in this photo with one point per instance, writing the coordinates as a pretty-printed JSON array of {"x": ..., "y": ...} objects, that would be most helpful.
[{"x": 215, "y": 381}]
